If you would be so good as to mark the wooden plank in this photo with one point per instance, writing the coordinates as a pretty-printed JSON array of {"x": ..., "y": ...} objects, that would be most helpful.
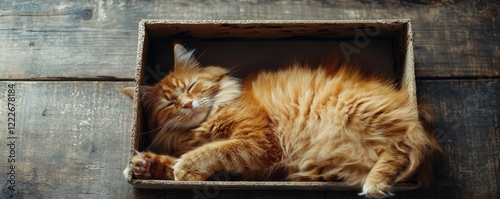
[
  {"x": 468, "y": 127},
  {"x": 97, "y": 39},
  {"x": 73, "y": 140}
]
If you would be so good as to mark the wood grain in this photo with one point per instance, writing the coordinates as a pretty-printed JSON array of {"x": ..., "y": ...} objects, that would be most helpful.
[
  {"x": 468, "y": 127},
  {"x": 74, "y": 137},
  {"x": 69, "y": 59},
  {"x": 97, "y": 39}
]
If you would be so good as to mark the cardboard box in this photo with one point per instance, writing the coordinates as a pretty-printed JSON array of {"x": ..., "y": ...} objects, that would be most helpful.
[{"x": 383, "y": 46}]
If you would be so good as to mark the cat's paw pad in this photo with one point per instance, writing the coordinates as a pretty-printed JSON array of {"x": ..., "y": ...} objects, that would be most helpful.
[
  {"x": 140, "y": 166},
  {"x": 376, "y": 190}
]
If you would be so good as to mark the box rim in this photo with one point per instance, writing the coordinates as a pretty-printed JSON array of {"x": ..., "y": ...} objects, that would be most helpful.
[
  {"x": 193, "y": 22},
  {"x": 249, "y": 185}
]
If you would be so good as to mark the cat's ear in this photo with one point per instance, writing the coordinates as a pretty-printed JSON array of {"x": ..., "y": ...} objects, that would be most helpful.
[
  {"x": 129, "y": 92},
  {"x": 183, "y": 58}
]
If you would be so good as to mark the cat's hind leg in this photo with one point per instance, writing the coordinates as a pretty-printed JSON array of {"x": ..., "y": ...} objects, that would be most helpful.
[
  {"x": 382, "y": 176},
  {"x": 148, "y": 165}
]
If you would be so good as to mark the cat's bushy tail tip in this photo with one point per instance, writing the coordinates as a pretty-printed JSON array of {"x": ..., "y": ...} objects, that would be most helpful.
[{"x": 425, "y": 114}]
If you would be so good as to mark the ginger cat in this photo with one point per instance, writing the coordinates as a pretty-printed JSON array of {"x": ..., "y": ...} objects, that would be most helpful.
[{"x": 308, "y": 124}]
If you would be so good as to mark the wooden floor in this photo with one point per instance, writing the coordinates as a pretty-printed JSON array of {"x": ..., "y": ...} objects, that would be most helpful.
[{"x": 68, "y": 60}]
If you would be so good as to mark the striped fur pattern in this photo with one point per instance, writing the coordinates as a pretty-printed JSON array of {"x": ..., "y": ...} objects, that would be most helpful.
[{"x": 308, "y": 124}]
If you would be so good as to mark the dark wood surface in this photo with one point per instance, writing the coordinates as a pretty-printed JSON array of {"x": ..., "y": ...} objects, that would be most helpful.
[{"x": 68, "y": 60}]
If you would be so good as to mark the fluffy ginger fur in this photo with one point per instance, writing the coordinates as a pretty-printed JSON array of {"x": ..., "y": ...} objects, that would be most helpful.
[{"x": 307, "y": 124}]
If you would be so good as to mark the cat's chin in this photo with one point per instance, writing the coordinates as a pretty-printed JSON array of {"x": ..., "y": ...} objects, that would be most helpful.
[{"x": 196, "y": 119}]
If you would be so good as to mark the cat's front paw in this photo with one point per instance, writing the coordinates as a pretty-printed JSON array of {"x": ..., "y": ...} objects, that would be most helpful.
[
  {"x": 376, "y": 190},
  {"x": 184, "y": 172},
  {"x": 140, "y": 165}
]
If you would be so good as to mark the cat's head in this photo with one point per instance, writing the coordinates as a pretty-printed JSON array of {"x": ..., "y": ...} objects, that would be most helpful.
[{"x": 188, "y": 94}]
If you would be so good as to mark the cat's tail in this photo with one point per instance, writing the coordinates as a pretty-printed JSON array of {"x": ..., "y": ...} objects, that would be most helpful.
[
  {"x": 425, "y": 171},
  {"x": 425, "y": 112}
]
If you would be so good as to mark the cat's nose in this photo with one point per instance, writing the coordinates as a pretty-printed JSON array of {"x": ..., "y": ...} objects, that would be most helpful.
[{"x": 188, "y": 105}]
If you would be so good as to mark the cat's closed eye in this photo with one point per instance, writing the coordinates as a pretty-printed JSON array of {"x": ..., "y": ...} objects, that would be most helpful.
[
  {"x": 190, "y": 89},
  {"x": 168, "y": 105}
]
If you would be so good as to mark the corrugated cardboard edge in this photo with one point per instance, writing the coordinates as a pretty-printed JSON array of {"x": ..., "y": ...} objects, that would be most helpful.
[
  {"x": 409, "y": 74},
  {"x": 380, "y": 21},
  {"x": 261, "y": 185},
  {"x": 136, "y": 102},
  {"x": 408, "y": 81}
]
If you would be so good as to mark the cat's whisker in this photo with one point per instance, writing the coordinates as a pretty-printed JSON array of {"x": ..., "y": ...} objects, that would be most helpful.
[
  {"x": 167, "y": 128},
  {"x": 203, "y": 101},
  {"x": 168, "y": 123},
  {"x": 232, "y": 102}
]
